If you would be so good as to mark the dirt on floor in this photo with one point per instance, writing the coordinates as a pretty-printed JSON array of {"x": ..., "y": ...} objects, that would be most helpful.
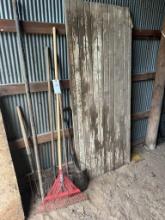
[{"x": 135, "y": 192}]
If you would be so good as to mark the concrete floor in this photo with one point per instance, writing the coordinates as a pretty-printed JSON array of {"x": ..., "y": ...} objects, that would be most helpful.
[{"x": 135, "y": 192}]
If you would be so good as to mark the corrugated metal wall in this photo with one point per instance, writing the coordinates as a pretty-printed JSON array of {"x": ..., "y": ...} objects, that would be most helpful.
[
  {"x": 46, "y": 11},
  {"x": 146, "y": 14}
]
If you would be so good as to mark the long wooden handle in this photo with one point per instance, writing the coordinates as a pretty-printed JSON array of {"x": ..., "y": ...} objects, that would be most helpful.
[
  {"x": 57, "y": 102},
  {"x": 63, "y": 134},
  {"x": 25, "y": 138},
  {"x": 47, "y": 60}
]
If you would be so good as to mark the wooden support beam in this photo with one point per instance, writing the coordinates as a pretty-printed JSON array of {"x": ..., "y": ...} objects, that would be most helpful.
[
  {"x": 146, "y": 34},
  {"x": 143, "y": 76},
  {"x": 157, "y": 97},
  {"x": 14, "y": 89},
  {"x": 140, "y": 115},
  {"x": 31, "y": 27},
  {"x": 46, "y": 137},
  {"x": 19, "y": 88},
  {"x": 41, "y": 138}
]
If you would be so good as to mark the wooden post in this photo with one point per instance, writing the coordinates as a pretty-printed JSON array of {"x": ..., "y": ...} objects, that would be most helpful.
[{"x": 157, "y": 97}]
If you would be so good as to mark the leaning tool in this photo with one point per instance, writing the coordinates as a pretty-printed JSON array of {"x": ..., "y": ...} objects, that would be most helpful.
[
  {"x": 47, "y": 61},
  {"x": 63, "y": 192},
  {"x": 32, "y": 175}
]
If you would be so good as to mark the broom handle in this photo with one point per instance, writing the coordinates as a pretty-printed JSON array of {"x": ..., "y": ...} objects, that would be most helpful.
[
  {"x": 47, "y": 60},
  {"x": 57, "y": 102},
  {"x": 29, "y": 103},
  {"x": 25, "y": 138},
  {"x": 63, "y": 135}
]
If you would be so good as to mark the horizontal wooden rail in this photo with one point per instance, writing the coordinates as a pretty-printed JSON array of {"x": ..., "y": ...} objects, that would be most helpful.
[
  {"x": 31, "y": 27},
  {"x": 19, "y": 88},
  {"x": 46, "y": 137},
  {"x": 15, "y": 89},
  {"x": 146, "y": 34},
  {"x": 140, "y": 115},
  {"x": 143, "y": 76},
  {"x": 41, "y": 138}
]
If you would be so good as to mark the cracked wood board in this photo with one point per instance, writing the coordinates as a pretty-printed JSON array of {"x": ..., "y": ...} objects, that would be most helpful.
[{"x": 99, "y": 50}]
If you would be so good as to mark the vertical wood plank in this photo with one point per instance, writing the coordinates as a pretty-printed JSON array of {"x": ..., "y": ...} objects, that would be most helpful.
[
  {"x": 127, "y": 89},
  {"x": 99, "y": 69},
  {"x": 11, "y": 206}
]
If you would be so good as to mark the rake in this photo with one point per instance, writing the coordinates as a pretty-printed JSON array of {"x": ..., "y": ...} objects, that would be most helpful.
[{"x": 63, "y": 192}]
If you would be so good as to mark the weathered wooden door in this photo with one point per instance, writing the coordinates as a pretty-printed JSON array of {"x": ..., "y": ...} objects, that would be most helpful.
[{"x": 99, "y": 48}]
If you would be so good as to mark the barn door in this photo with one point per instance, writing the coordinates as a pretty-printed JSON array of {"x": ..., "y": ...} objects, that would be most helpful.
[{"x": 99, "y": 49}]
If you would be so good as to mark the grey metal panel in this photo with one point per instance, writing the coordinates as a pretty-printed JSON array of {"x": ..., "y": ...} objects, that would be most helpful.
[
  {"x": 35, "y": 10},
  {"x": 34, "y": 49},
  {"x": 144, "y": 55},
  {"x": 139, "y": 129},
  {"x": 141, "y": 96},
  {"x": 146, "y": 14},
  {"x": 46, "y": 11}
]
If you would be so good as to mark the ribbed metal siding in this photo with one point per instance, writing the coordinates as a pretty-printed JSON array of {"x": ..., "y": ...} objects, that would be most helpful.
[
  {"x": 139, "y": 129},
  {"x": 35, "y": 10},
  {"x": 146, "y": 14},
  {"x": 46, "y": 11},
  {"x": 144, "y": 55}
]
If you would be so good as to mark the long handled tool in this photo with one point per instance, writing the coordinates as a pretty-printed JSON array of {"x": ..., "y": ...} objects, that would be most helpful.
[
  {"x": 63, "y": 189},
  {"x": 31, "y": 175},
  {"x": 25, "y": 138},
  {"x": 79, "y": 177},
  {"x": 29, "y": 103},
  {"x": 47, "y": 59},
  {"x": 63, "y": 135}
]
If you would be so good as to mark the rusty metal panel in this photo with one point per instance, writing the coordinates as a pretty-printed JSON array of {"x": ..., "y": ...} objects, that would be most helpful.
[{"x": 99, "y": 45}]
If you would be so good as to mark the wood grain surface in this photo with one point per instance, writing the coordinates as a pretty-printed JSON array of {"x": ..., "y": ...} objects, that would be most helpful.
[{"x": 99, "y": 47}]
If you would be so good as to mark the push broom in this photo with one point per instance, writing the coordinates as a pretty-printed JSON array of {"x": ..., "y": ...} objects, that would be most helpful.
[{"x": 63, "y": 192}]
